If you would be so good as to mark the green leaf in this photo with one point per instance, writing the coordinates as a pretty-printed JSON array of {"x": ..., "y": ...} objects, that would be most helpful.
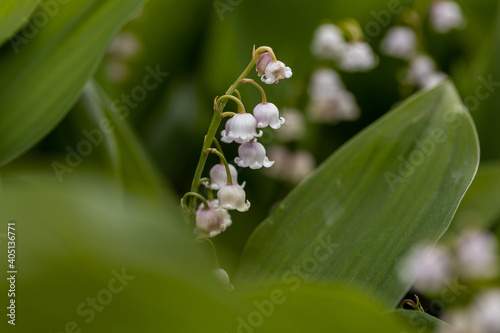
[
  {"x": 122, "y": 150},
  {"x": 74, "y": 238},
  {"x": 315, "y": 308},
  {"x": 43, "y": 76},
  {"x": 395, "y": 185},
  {"x": 421, "y": 321},
  {"x": 13, "y": 15}
]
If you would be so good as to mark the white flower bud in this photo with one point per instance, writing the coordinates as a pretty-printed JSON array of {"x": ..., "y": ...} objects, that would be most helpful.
[
  {"x": 211, "y": 222},
  {"x": 218, "y": 176},
  {"x": 328, "y": 41},
  {"x": 357, "y": 57},
  {"x": 262, "y": 63},
  {"x": 276, "y": 71},
  {"x": 457, "y": 321},
  {"x": 223, "y": 277},
  {"x": 445, "y": 16},
  {"x": 232, "y": 197},
  {"x": 302, "y": 165},
  {"x": 477, "y": 255},
  {"x": 268, "y": 115},
  {"x": 428, "y": 268},
  {"x": 399, "y": 42},
  {"x": 252, "y": 155},
  {"x": 241, "y": 127}
]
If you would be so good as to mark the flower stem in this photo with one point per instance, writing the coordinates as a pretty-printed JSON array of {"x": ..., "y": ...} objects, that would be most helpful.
[
  {"x": 214, "y": 124},
  {"x": 262, "y": 92},
  {"x": 196, "y": 195}
]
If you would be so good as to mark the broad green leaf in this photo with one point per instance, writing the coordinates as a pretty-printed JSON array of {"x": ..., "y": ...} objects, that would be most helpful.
[
  {"x": 125, "y": 155},
  {"x": 315, "y": 308},
  {"x": 74, "y": 238},
  {"x": 421, "y": 321},
  {"x": 41, "y": 77},
  {"x": 14, "y": 14},
  {"x": 393, "y": 186}
]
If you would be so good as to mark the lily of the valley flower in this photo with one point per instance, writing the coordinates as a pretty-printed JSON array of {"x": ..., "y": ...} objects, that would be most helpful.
[
  {"x": 358, "y": 57},
  {"x": 445, "y": 16},
  {"x": 240, "y": 128},
  {"x": 400, "y": 42},
  {"x": 232, "y": 197},
  {"x": 218, "y": 176},
  {"x": 328, "y": 41},
  {"x": 252, "y": 155},
  {"x": 267, "y": 114},
  {"x": 276, "y": 71},
  {"x": 262, "y": 63},
  {"x": 211, "y": 222}
]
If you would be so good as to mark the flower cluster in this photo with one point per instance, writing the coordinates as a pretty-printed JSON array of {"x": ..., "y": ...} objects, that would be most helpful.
[
  {"x": 329, "y": 101},
  {"x": 212, "y": 216},
  {"x": 330, "y": 43},
  {"x": 474, "y": 257}
]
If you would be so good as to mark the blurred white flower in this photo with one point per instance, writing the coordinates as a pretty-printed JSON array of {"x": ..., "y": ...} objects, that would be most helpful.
[
  {"x": 289, "y": 166},
  {"x": 252, "y": 155},
  {"x": 400, "y": 42},
  {"x": 240, "y": 128},
  {"x": 218, "y": 176},
  {"x": 457, "y": 321},
  {"x": 357, "y": 57},
  {"x": 126, "y": 45},
  {"x": 294, "y": 128},
  {"x": 328, "y": 41},
  {"x": 433, "y": 80},
  {"x": 329, "y": 101},
  {"x": 421, "y": 67},
  {"x": 302, "y": 164},
  {"x": 422, "y": 72},
  {"x": 446, "y": 15},
  {"x": 232, "y": 197},
  {"x": 276, "y": 71},
  {"x": 268, "y": 115},
  {"x": 427, "y": 267},
  {"x": 486, "y": 311},
  {"x": 117, "y": 71},
  {"x": 211, "y": 222},
  {"x": 223, "y": 277},
  {"x": 477, "y": 255}
]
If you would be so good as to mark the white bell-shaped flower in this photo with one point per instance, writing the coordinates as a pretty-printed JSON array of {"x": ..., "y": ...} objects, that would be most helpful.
[
  {"x": 420, "y": 69},
  {"x": 477, "y": 254},
  {"x": 400, "y": 42},
  {"x": 268, "y": 115},
  {"x": 428, "y": 268},
  {"x": 486, "y": 310},
  {"x": 218, "y": 176},
  {"x": 211, "y": 222},
  {"x": 223, "y": 277},
  {"x": 295, "y": 127},
  {"x": 357, "y": 57},
  {"x": 252, "y": 155},
  {"x": 240, "y": 128},
  {"x": 262, "y": 63},
  {"x": 445, "y": 16},
  {"x": 328, "y": 41},
  {"x": 232, "y": 197},
  {"x": 276, "y": 71}
]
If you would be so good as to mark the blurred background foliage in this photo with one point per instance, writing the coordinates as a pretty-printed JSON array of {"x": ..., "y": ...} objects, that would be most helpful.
[{"x": 203, "y": 53}]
